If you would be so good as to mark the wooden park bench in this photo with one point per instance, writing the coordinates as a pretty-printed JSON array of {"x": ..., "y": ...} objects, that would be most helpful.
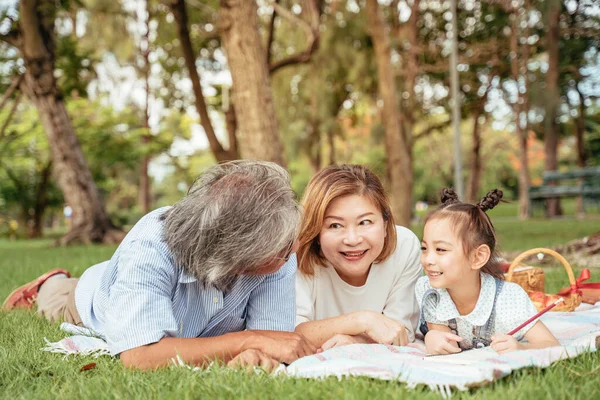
[{"x": 584, "y": 182}]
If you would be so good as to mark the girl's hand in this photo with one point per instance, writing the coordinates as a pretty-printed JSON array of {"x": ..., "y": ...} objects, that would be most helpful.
[
  {"x": 505, "y": 343},
  {"x": 340, "y": 340},
  {"x": 383, "y": 329},
  {"x": 440, "y": 342}
]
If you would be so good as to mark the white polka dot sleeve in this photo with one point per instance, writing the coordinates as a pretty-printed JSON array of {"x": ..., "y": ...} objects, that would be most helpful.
[{"x": 512, "y": 309}]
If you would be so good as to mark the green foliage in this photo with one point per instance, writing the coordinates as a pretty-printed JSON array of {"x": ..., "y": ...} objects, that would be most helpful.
[
  {"x": 73, "y": 67},
  {"x": 111, "y": 141},
  {"x": 24, "y": 159}
]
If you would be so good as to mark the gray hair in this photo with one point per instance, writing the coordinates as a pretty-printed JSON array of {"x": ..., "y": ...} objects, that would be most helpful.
[{"x": 236, "y": 217}]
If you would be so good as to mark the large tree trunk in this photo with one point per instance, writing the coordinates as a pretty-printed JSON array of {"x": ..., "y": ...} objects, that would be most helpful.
[
  {"x": 90, "y": 220},
  {"x": 179, "y": 11},
  {"x": 552, "y": 99},
  {"x": 399, "y": 163},
  {"x": 255, "y": 113},
  {"x": 520, "y": 108}
]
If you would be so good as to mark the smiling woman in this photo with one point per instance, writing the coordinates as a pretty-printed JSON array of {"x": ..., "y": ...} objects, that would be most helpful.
[{"x": 356, "y": 268}]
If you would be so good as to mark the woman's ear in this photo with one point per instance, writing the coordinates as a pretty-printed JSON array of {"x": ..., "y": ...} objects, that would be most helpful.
[{"x": 481, "y": 256}]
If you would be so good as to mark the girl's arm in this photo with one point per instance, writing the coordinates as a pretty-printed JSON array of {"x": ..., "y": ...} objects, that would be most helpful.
[{"x": 539, "y": 337}]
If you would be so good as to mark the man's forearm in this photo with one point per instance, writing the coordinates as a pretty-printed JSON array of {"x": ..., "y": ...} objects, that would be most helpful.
[{"x": 195, "y": 351}]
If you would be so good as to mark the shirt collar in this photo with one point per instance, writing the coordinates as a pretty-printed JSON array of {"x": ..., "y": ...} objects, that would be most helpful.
[
  {"x": 184, "y": 277},
  {"x": 446, "y": 309}
]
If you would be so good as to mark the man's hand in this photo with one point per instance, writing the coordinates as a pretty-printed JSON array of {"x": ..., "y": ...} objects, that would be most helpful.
[
  {"x": 505, "y": 343},
  {"x": 285, "y": 347},
  {"x": 253, "y": 358},
  {"x": 383, "y": 329},
  {"x": 440, "y": 342}
]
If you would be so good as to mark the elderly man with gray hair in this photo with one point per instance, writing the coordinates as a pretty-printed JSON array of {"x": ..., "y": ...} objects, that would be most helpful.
[{"x": 211, "y": 277}]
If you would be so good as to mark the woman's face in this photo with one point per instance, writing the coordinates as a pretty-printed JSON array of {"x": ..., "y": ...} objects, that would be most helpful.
[{"x": 352, "y": 237}]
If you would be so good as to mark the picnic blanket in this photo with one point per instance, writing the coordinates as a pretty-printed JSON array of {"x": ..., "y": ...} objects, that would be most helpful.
[{"x": 578, "y": 332}]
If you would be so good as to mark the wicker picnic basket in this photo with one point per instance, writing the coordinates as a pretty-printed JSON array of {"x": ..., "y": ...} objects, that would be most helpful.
[{"x": 531, "y": 283}]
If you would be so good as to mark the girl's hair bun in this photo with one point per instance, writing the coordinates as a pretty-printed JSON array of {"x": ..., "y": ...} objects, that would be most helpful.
[
  {"x": 448, "y": 196},
  {"x": 490, "y": 200}
]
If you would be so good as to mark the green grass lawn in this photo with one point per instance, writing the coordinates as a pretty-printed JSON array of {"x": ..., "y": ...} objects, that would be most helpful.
[{"x": 27, "y": 372}]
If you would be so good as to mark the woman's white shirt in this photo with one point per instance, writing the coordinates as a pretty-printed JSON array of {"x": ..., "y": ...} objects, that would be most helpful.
[{"x": 389, "y": 288}]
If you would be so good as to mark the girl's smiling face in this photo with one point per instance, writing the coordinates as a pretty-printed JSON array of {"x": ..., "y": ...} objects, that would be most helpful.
[
  {"x": 352, "y": 237},
  {"x": 443, "y": 257}
]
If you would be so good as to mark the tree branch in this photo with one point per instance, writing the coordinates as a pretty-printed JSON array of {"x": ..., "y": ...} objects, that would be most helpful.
[
  {"x": 12, "y": 37},
  {"x": 10, "y": 115},
  {"x": 430, "y": 129},
  {"x": 271, "y": 33},
  {"x": 198, "y": 5},
  {"x": 11, "y": 89},
  {"x": 311, "y": 30}
]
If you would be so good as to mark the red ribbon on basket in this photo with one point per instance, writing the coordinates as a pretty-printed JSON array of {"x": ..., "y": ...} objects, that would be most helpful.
[{"x": 576, "y": 288}]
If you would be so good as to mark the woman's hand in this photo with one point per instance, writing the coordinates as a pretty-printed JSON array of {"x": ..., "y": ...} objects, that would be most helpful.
[
  {"x": 343, "y": 340},
  {"x": 383, "y": 329},
  {"x": 253, "y": 358},
  {"x": 440, "y": 342},
  {"x": 505, "y": 343}
]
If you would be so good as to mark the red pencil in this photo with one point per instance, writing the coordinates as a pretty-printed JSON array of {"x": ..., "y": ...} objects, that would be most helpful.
[{"x": 536, "y": 316}]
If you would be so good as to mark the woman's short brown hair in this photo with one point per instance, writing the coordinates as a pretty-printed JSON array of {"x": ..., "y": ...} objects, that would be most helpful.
[{"x": 327, "y": 185}]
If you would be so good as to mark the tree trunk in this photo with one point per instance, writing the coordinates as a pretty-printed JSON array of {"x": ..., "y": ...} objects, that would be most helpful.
[
  {"x": 552, "y": 99},
  {"x": 144, "y": 194},
  {"x": 579, "y": 144},
  {"x": 90, "y": 220},
  {"x": 314, "y": 147},
  {"x": 331, "y": 142},
  {"x": 519, "y": 108},
  {"x": 255, "y": 113},
  {"x": 179, "y": 11},
  {"x": 144, "y": 189},
  {"x": 399, "y": 163},
  {"x": 476, "y": 165},
  {"x": 36, "y": 228}
]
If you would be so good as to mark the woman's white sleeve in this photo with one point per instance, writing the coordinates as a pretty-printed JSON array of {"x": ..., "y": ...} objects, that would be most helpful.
[
  {"x": 305, "y": 298},
  {"x": 402, "y": 304}
]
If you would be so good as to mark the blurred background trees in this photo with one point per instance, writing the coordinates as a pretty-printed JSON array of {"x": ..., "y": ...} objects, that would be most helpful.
[{"x": 115, "y": 106}]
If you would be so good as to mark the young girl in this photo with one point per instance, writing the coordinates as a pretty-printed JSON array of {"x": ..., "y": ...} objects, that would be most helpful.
[
  {"x": 356, "y": 269},
  {"x": 465, "y": 302}
]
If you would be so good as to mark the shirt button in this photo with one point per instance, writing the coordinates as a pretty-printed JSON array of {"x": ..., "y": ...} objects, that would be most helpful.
[{"x": 215, "y": 299}]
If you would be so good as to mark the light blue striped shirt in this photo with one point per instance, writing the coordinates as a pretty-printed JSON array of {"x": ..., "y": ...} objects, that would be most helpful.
[{"x": 141, "y": 295}]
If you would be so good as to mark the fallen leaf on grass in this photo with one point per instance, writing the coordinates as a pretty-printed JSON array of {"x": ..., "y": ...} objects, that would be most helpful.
[{"x": 88, "y": 367}]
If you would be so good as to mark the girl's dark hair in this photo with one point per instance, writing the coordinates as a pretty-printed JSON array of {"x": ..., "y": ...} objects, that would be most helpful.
[{"x": 472, "y": 225}]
